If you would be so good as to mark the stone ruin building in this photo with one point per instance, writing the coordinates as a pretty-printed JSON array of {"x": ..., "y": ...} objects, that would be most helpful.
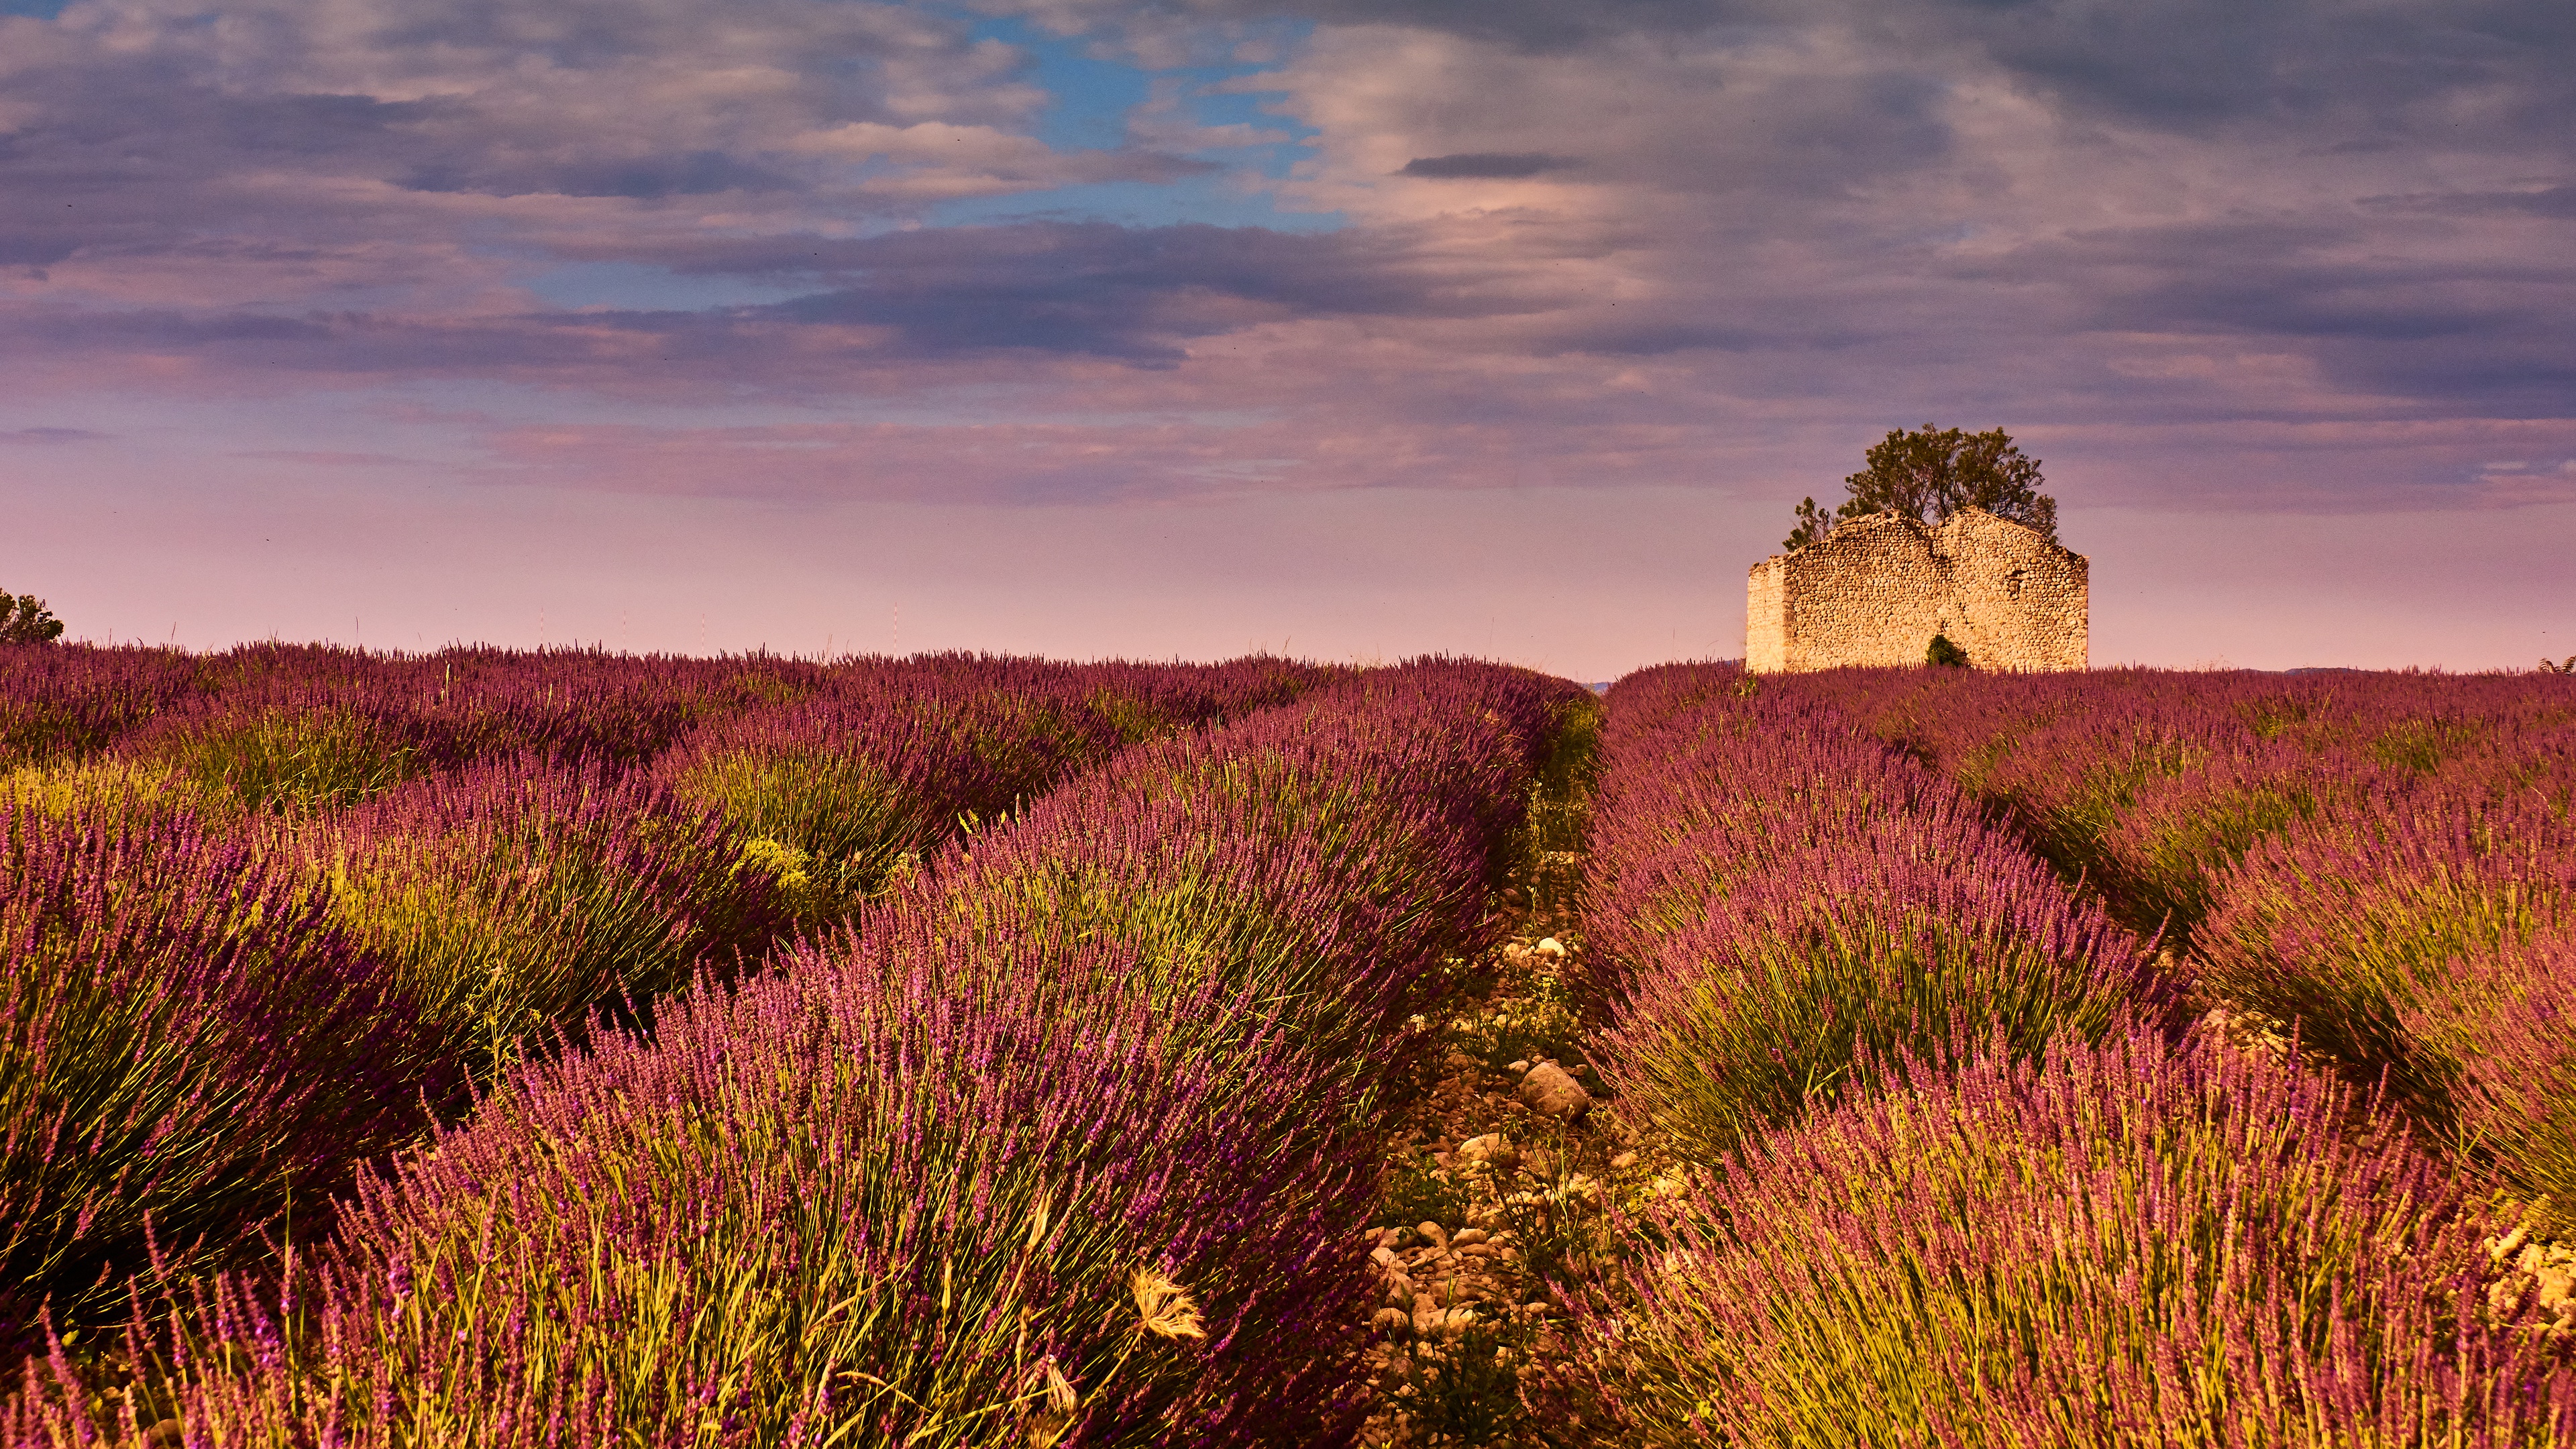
[{"x": 1876, "y": 589}]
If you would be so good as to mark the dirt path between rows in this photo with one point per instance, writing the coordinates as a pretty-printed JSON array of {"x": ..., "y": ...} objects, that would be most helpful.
[{"x": 1503, "y": 1168}]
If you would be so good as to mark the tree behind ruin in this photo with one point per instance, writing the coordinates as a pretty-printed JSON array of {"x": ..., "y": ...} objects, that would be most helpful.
[
  {"x": 1931, "y": 473},
  {"x": 24, "y": 619}
]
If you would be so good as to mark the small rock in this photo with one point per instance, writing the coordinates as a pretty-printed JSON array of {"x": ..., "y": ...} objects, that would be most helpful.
[
  {"x": 1460, "y": 1062},
  {"x": 1438, "y": 1235},
  {"x": 1549, "y": 1091},
  {"x": 1623, "y": 1162},
  {"x": 1517, "y": 1068},
  {"x": 1538, "y": 1162},
  {"x": 1443, "y": 1322},
  {"x": 1489, "y": 1149},
  {"x": 1468, "y": 1237},
  {"x": 2557, "y": 1285},
  {"x": 1391, "y": 1320},
  {"x": 1551, "y": 948},
  {"x": 167, "y": 1432}
]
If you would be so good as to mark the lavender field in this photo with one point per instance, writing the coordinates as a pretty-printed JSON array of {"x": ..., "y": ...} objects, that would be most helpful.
[{"x": 482, "y": 1048}]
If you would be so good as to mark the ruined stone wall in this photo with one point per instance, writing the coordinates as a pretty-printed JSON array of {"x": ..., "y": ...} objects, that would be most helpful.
[
  {"x": 1877, "y": 589},
  {"x": 1766, "y": 625}
]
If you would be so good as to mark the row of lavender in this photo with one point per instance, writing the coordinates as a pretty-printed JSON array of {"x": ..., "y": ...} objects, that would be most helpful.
[
  {"x": 2386, "y": 862},
  {"x": 292, "y": 907},
  {"x": 282, "y": 727},
  {"x": 1063, "y": 1140},
  {"x": 1966, "y": 1168}
]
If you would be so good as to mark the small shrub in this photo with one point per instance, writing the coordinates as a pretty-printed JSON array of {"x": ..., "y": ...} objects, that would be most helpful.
[
  {"x": 1464, "y": 1388},
  {"x": 1944, "y": 654}
]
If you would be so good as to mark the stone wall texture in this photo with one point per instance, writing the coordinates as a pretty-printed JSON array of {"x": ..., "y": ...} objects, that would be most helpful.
[{"x": 1877, "y": 589}]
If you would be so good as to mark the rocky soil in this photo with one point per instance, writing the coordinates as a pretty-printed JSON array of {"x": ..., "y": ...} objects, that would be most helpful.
[{"x": 1504, "y": 1172}]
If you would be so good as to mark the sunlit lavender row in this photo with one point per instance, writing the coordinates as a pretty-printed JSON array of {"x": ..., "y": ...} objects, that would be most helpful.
[
  {"x": 1975, "y": 1166},
  {"x": 271, "y": 913},
  {"x": 1050, "y": 1128}
]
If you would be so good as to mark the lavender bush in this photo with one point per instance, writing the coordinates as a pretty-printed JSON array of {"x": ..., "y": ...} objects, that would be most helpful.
[
  {"x": 183, "y": 1038},
  {"x": 2348, "y": 924},
  {"x": 510, "y": 900},
  {"x": 1780, "y": 903},
  {"x": 1896, "y": 937},
  {"x": 2495, "y": 1043},
  {"x": 2123, "y": 1244},
  {"x": 838, "y": 795}
]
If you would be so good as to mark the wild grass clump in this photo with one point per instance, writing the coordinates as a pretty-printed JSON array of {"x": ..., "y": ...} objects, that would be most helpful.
[
  {"x": 2119, "y": 1244},
  {"x": 184, "y": 1038}
]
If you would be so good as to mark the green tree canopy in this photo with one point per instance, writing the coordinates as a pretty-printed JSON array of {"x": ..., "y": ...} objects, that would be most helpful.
[
  {"x": 1931, "y": 473},
  {"x": 24, "y": 619}
]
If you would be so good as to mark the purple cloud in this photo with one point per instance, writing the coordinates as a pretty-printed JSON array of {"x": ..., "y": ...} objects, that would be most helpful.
[
  {"x": 1487, "y": 165},
  {"x": 50, "y": 437}
]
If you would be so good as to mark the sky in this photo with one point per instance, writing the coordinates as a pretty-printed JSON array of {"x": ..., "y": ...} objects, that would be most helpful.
[{"x": 1184, "y": 328}]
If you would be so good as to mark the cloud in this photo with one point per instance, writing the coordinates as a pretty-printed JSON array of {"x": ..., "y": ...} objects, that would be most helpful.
[
  {"x": 50, "y": 437},
  {"x": 1487, "y": 165},
  {"x": 1134, "y": 293},
  {"x": 1722, "y": 242},
  {"x": 326, "y": 458}
]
